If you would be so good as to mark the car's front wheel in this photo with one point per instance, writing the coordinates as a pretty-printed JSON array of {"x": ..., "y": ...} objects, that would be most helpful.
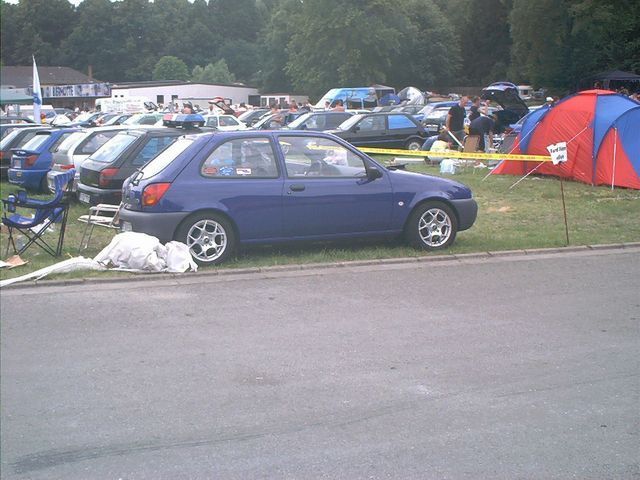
[
  {"x": 209, "y": 236},
  {"x": 432, "y": 226}
]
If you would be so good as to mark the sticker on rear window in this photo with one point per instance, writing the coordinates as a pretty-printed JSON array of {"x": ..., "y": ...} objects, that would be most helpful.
[{"x": 243, "y": 171}]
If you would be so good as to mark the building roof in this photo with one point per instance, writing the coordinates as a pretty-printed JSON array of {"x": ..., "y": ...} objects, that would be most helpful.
[
  {"x": 169, "y": 83},
  {"x": 22, "y": 77}
]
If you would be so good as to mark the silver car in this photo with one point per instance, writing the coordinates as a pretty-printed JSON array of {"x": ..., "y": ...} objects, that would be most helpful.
[{"x": 75, "y": 149}]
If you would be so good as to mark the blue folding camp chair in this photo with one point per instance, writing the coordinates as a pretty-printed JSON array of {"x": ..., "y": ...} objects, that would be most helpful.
[{"x": 45, "y": 213}]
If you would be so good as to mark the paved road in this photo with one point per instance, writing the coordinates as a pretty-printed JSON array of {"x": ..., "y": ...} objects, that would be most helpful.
[{"x": 520, "y": 367}]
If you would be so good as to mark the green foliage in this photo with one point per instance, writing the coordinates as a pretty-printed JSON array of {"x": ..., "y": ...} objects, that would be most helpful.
[
  {"x": 213, "y": 73},
  {"x": 170, "y": 68},
  {"x": 313, "y": 45}
]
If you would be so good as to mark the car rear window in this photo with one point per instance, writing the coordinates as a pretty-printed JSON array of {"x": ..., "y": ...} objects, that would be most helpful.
[
  {"x": 69, "y": 141},
  {"x": 152, "y": 147},
  {"x": 113, "y": 148},
  {"x": 6, "y": 141},
  {"x": 36, "y": 141},
  {"x": 164, "y": 158},
  {"x": 58, "y": 142},
  {"x": 95, "y": 140}
]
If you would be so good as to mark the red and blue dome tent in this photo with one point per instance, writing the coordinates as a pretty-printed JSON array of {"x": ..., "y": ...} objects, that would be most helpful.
[{"x": 602, "y": 132}]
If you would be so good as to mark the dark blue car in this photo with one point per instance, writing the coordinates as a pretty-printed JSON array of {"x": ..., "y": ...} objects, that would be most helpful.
[
  {"x": 217, "y": 191},
  {"x": 31, "y": 162}
]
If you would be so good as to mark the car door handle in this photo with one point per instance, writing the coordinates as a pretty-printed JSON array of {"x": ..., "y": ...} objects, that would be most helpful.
[{"x": 297, "y": 187}]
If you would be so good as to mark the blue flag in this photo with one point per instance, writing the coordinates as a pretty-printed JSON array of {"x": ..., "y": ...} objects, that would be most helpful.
[{"x": 37, "y": 94}]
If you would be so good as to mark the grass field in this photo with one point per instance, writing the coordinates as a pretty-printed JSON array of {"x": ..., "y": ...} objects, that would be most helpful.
[{"x": 528, "y": 216}]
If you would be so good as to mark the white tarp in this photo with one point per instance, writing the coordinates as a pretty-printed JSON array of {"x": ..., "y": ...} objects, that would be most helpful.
[
  {"x": 129, "y": 251},
  {"x": 140, "y": 252}
]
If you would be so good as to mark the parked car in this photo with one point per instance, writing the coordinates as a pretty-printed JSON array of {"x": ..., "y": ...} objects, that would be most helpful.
[
  {"x": 382, "y": 130},
  {"x": 224, "y": 123},
  {"x": 216, "y": 192},
  {"x": 252, "y": 116},
  {"x": 435, "y": 120},
  {"x": 31, "y": 162},
  {"x": 76, "y": 148},
  {"x": 118, "y": 119},
  {"x": 104, "y": 171},
  {"x": 318, "y": 121},
  {"x": 5, "y": 128},
  {"x": 144, "y": 119},
  {"x": 16, "y": 138},
  {"x": 8, "y": 122},
  {"x": 268, "y": 122}
]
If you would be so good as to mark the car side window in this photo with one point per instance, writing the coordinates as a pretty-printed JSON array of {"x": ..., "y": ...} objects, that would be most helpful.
[
  {"x": 372, "y": 123},
  {"x": 153, "y": 147},
  {"x": 400, "y": 121},
  {"x": 319, "y": 157},
  {"x": 241, "y": 158}
]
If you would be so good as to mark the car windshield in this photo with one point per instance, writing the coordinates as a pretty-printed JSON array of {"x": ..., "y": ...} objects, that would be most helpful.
[
  {"x": 438, "y": 114},
  {"x": 262, "y": 121},
  {"x": 164, "y": 158},
  {"x": 142, "y": 119},
  {"x": 36, "y": 141},
  {"x": 347, "y": 124},
  {"x": 113, "y": 148},
  {"x": 250, "y": 113},
  {"x": 299, "y": 121}
]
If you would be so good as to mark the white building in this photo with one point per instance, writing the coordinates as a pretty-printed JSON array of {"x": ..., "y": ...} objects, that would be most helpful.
[{"x": 170, "y": 91}]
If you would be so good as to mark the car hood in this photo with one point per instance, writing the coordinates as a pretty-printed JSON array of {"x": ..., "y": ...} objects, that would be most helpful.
[{"x": 506, "y": 95}]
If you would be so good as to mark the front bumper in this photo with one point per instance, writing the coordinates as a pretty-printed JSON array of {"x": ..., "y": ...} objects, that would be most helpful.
[
  {"x": 467, "y": 212},
  {"x": 161, "y": 225}
]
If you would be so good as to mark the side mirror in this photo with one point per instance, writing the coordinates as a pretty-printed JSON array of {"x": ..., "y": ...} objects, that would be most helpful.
[{"x": 373, "y": 173}]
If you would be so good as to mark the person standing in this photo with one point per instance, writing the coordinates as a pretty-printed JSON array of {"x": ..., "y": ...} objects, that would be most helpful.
[
  {"x": 455, "y": 119},
  {"x": 475, "y": 109}
]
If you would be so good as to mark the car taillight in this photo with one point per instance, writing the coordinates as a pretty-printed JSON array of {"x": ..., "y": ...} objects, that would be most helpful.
[
  {"x": 106, "y": 176},
  {"x": 1, "y": 154},
  {"x": 30, "y": 160},
  {"x": 152, "y": 194},
  {"x": 67, "y": 167}
]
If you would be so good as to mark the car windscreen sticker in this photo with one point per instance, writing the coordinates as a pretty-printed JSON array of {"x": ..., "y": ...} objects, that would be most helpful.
[
  {"x": 243, "y": 171},
  {"x": 227, "y": 171},
  {"x": 210, "y": 170}
]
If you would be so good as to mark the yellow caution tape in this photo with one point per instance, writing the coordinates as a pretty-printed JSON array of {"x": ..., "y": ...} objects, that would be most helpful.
[{"x": 455, "y": 154}]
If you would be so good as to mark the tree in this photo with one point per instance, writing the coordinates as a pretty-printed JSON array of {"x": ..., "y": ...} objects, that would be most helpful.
[
  {"x": 35, "y": 27},
  {"x": 333, "y": 44},
  {"x": 430, "y": 53},
  {"x": 540, "y": 32},
  {"x": 170, "y": 68},
  {"x": 243, "y": 59},
  {"x": 213, "y": 73}
]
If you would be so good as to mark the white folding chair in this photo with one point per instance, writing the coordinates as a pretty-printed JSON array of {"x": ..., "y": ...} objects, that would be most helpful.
[{"x": 102, "y": 215}]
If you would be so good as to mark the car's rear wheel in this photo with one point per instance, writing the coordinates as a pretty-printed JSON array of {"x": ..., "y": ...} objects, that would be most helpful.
[
  {"x": 432, "y": 226},
  {"x": 209, "y": 236},
  {"x": 413, "y": 144}
]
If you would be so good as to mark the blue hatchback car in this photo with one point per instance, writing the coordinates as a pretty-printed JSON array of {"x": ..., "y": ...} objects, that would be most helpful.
[
  {"x": 31, "y": 162},
  {"x": 217, "y": 191}
]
